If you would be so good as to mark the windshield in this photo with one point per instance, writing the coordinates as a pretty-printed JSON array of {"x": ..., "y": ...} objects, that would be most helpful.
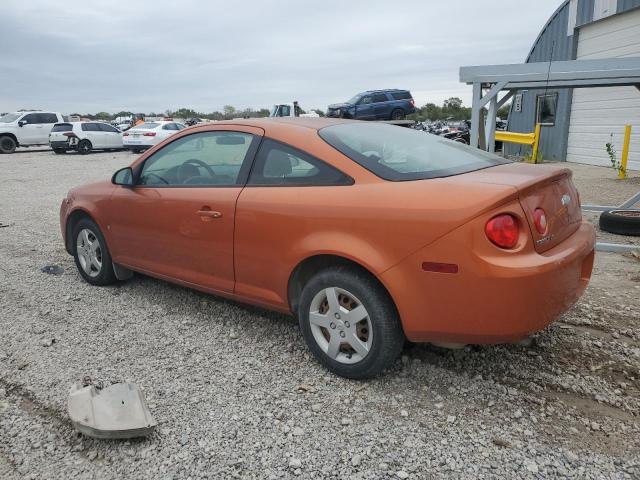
[
  {"x": 10, "y": 117},
  {"x": 399, "y": 153},
  {"x": 146, "y": 126},
  {"x": 354, "y": 100}
]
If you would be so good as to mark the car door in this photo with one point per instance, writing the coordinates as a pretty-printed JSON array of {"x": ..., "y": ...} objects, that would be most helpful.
[
  {"x": 32, "y": 130},
  {"x": 177, "y": 222},
  {"x": 113, "y": 138},
  {"x": 92, "y": 132},
  {"x": 381, "y": 106},
  {"x": 364, "y": 108}
]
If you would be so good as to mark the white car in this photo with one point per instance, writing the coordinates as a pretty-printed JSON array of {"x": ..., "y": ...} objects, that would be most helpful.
[
  {"x": 84, "y": 137},
  {"x": 148, "y": 134},
  {"x": 25, "y": 129}
]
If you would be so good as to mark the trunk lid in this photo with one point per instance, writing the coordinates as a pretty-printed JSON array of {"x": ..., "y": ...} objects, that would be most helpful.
[{"x": 545, "y": 187}]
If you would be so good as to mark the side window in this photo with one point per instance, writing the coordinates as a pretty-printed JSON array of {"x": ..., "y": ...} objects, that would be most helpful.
[
  {"x": 90, "y": 127},
  {"x": 401, "y": 95},
  {"x": 105, "y": 127},
  {"x": 48, "y": 118},
  {"x": 546, "y": 109},
  {"x": 168, "y": 126},
  {"x": 380, "y": 97},
  {"x": 365, "y": 100},
  {"x": 279, "y": 164},
  {"x": 179, "y": 126},
  {"x": 31, "y": 118},
  {"x": 205, "y": 158}
]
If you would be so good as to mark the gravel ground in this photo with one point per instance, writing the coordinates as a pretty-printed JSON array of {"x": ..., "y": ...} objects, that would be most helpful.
[{"x": 237, "y": 395}]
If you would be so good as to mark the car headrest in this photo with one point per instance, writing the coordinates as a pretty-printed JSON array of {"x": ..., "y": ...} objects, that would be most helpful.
[{"x": 277, "y": 165}]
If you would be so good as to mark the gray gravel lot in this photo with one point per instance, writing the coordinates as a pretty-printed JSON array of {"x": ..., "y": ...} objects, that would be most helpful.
[{"x": 237, "y": 395}]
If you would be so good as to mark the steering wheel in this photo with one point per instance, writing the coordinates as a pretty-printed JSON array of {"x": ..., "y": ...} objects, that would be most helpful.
[{"x": 185, "y": 173}]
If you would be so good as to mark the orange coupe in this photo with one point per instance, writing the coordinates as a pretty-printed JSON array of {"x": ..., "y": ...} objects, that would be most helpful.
[{"x": 369, "y": 233}]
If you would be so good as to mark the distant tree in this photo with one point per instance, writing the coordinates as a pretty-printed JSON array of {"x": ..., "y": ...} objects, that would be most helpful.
[
  {"x": 122, "y": 114},
  {"x": 319, "y": 112},
  {"x": 229, "y": 111},
  {"x": 453, "y": 103},
  {"x": 102, "y": 116}
]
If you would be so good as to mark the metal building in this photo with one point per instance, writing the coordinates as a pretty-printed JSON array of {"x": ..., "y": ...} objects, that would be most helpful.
[{"x": 576, "y": 124}]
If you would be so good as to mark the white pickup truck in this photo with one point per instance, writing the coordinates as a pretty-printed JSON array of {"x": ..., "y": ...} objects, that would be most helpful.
[
  {"x": 26, "y": 129},
  {"x": 290, "y": 110}
]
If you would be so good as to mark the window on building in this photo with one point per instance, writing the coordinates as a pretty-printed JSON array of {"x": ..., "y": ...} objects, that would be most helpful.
[{"x": 546, "y": 109}]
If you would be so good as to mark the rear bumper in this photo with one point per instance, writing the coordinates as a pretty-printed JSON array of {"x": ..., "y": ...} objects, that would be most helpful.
[
  {"x": 494, "y": 297},
  {"x": 137, "y": 146},
  {"x": 61, "y": 144}
]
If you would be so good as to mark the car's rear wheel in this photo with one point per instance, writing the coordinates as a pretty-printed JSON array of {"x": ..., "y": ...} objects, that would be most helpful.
[
  {"x": 7, "y": 144},
  {"x": 91, "y": 253},
  {"x": 84, "y": 147},
  {"x": 350, "y": 323},
  {"x": 136, "y": 150},
  {"x": 59, "y": 151},
  {"x": 397, "y": 114}
]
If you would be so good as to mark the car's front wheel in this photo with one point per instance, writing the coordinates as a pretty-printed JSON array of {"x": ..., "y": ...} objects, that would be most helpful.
[
  {"x": 350, "y": 323},
  {"x": 7, "y": 144},
  {"x": 91, "y": 253}
]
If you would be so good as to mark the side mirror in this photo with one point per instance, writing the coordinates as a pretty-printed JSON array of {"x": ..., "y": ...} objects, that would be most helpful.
[
  {"x": 22, "y": 123},
  {"x": 123, "y": 177}
]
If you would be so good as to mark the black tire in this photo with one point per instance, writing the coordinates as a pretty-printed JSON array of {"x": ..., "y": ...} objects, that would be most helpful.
[
  {"x": 84, "y": 147},
  {"x": 7, "y": 144},
  {"x": 104, "y": 276},
  {"x": 59, "y": 151},
  {"x": 397, "y": 114},
  {"x": 136, "y": 150},
  {"x": 622, "y": 222},
  {"x": 388, "y": 336}
]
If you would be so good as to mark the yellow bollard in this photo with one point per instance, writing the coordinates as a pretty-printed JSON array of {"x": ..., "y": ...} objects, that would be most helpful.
[
  {"x": 536, "y": 139},
  {"x": 625, "y": 152}
]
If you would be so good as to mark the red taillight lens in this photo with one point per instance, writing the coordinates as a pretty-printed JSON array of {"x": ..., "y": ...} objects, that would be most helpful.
[
  {"x": 540, "y": 220},
  {"x": 69, "y": 134},
  {"x": 149, "y": 134},
  {"x": 503, "y": 231},
  {"x": 412, "y": 102}
]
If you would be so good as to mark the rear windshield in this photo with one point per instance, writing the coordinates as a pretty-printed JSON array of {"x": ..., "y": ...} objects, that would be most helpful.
[
  {"x": 62, "y": 127},
  {"x": 399, "y": 153},
  {"x": 146, "y": 126}
]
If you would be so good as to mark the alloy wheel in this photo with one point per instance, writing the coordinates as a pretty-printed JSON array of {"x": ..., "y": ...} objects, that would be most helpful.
[
  {"x": 89, "y": 252},
  {"x": 340, "y": 325}
]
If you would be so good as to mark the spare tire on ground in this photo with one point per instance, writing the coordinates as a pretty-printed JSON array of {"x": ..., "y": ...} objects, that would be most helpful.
[{"x": 622, "y": 222}]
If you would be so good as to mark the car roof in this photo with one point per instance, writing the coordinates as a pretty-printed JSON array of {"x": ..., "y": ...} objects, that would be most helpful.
[{"x": 266, "y": 123}]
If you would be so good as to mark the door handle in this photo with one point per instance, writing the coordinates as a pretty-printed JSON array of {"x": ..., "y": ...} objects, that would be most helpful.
[{"x": 208, "y": 213}]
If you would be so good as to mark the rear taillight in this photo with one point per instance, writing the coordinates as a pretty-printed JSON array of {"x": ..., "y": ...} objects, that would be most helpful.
[
  {"x": 149, "y": 134},
  {"x": 412, "y": 102},
  {"x": 540, "y": 220},
  {"x": 502, "y": 231},
  {"x": 69, "y": 134}
]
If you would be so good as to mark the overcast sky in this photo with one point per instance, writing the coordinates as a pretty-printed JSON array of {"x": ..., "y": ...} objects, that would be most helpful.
[{"x": 141, "y": 55}]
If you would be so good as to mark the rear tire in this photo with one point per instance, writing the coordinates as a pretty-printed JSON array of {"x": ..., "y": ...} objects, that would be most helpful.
[
  {"x": 354, "y": 345},
  {"x": 7, "y": 144},
  {"x": 136, "y": 150},
  {"x": 622, "y": 222},
  {"x": 91, "y": 254},
  {"x": 84, "y": 147},
  {"x": 397, "y": 114},
  {"x": 59, "y": 151}
]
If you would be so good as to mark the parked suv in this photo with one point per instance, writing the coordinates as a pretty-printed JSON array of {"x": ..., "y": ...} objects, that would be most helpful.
[
  {"x": 84, "y": 137},
  {"x": 375, "y": 105},
  {"x": 26, "y": 129}
]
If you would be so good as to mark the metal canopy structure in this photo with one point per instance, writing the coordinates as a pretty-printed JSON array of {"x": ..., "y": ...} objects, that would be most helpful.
[{"x": 610, "y": 72}]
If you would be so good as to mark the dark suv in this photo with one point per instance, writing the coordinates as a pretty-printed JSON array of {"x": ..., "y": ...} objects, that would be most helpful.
[{"x": 375, "y": 105}]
